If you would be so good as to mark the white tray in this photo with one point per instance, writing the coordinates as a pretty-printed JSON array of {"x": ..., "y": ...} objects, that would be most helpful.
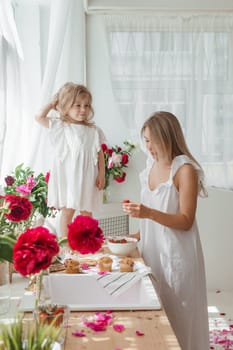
[{"x": 83, "y": 293}]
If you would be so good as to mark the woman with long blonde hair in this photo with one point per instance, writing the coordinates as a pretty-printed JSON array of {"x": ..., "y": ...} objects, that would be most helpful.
[{"x": 169, "y": 236}]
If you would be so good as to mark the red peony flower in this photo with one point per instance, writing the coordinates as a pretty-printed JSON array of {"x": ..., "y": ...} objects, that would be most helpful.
[
  {"x": 47, "y": 176},
  {"x": 20, "y": 208},
  {"x": 104, "y": 147},
  {"x": 120, "y": 178},
  {"x": 84, "y": 235},
  {"x": 125, "y": 158},
  {"x": 34, "y": 250},
  {"x": 9, "y": 180}
]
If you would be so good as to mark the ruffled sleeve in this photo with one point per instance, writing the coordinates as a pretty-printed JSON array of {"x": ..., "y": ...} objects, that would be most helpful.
[
  {"x": 183, "y": 159},
  {"x": 99, "y": 139},
  {"x": 102, "y": 137}
]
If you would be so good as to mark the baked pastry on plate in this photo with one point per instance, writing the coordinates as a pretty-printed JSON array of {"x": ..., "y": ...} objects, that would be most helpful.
[
  {"x": 71, "y": 265},
  {"x": 105, "y": 263},
  {"x": 126, "y": 265}
]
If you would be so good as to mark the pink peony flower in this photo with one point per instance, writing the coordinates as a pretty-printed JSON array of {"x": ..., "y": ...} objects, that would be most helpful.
[
  {"x": 116, "y": 159},
  {"x": 24, "y": 189},
  {"x": 31, "y": 182}
]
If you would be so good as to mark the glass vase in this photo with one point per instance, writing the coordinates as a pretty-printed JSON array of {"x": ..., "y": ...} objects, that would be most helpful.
[
  {"x": 42, "y": 289},
  {"x": 5, "y": 290},
  {"x": 106, "y": 195}
]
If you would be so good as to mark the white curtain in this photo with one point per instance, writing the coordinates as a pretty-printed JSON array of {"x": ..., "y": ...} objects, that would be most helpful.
[
  {"x": 183, "y": 64},
  {"x": 52, "y": 37},
  {"x": 10, "y": 56}
]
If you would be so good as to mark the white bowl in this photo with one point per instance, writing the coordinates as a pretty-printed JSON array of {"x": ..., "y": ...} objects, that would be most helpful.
[{"x": 119, "y": 248}]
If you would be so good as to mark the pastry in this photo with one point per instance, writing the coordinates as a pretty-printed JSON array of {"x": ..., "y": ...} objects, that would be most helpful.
[
  {"x": 71, "y": 265},
  {"x": 105, "y": 264},
  {"x": 126, "y": 265}
]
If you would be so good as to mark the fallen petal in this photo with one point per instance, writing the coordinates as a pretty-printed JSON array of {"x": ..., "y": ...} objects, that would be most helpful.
[
  {"x": 118, "y": 327},
  {"x": 78, "y": 333},
  {"x": 85, "y": 266},
  {"x": 139, "y": 333}
]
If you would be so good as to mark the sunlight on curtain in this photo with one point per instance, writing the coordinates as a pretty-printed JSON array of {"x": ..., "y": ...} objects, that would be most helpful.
[
  {"x": 182, "y": 64},
  {"x": 52, "y": 38}
]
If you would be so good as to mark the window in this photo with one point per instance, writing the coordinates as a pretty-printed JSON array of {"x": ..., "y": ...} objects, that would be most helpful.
[{"x": 182, "y": 65}]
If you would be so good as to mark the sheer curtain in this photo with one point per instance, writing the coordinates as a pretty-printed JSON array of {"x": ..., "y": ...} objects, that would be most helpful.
[
  {"x": 183, "y": 64},
  {"x": 52, "y": 37},
  {"x": 10, "y": 57}
]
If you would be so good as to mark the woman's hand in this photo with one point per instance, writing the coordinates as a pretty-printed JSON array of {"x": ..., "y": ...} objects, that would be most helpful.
[
  {"x": 135, "y": 235},
  {"x": 136, "y": 210}
]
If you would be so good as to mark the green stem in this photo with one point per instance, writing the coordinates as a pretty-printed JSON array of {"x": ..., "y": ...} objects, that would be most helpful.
[
  {"x": 7, "y": 238},
  {"x": 63, "y": 240},
  {"x": 39, "y": 278}
]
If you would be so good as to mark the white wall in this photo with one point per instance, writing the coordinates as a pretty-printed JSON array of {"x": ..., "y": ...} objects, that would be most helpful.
[
  {"x": 215, "y": 220},
  {"x": 214, "y": 213}
]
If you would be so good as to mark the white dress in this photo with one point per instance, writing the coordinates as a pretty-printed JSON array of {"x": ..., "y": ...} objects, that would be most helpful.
[
  {"x": 75, "y": 166},
  {"x": 176, "y": 259}
]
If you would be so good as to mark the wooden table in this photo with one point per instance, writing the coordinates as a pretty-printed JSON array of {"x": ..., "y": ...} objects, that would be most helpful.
[
  {"x": 154, "y": 324},
  {"x": 158, "y": 334}
]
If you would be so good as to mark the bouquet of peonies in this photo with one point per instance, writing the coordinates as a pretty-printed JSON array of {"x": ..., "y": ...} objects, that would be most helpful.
[
  {"x": 24, "y": 197},
  {"x": 116, "y": 161},
  {"x": 23, "y": 182}
]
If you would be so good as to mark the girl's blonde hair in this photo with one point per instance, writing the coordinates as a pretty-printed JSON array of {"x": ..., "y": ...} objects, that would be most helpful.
[
  {"x": 166, "y": 130},
  {"x": 66, "y": 97}
]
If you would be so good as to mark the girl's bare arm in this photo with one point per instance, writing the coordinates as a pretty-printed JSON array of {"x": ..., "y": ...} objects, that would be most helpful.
[
  {"x": 100, "y": 181},
  {"x": 42, "y": 116}
]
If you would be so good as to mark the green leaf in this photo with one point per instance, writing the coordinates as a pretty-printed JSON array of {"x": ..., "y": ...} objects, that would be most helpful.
[{"x": 6, "y": 249}]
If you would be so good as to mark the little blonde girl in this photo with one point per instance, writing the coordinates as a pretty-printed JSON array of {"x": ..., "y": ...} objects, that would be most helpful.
[{"x": 78, "y": 172}]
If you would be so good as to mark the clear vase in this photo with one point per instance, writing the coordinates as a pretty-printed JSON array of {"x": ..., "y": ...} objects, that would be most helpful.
[
  {"x": 5, "y": 290},
  {"x": 42, "y": 288},
  {"x": 106, "y": 195}
]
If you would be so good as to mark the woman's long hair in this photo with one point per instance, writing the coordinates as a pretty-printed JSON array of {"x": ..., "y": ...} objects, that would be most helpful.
[{"x": 166, "y": 130}]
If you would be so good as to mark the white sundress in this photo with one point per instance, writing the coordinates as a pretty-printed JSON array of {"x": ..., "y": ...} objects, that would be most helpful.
[
  {"x": 176, "y": 259},
  {"x": 75, "y": 166}
]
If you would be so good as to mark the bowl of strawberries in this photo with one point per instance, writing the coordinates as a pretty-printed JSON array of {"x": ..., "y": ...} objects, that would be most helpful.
[{"x": 122, "y": 245}]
